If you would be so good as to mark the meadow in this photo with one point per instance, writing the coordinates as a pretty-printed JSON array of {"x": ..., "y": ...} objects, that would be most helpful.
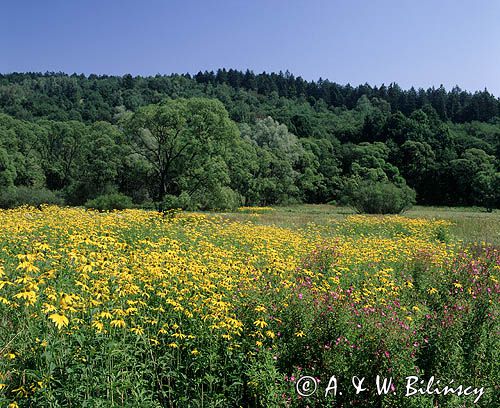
[{"x": 137, "y": 308}]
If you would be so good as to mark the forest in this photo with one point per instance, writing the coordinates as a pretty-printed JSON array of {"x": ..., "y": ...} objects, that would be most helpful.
[{"x": 219, "y": 140}]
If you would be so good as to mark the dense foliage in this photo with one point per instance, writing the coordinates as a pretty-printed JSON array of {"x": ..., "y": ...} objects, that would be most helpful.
[
  {"x": 219, "y": 140},
  {"x": 379, "y": 197}
]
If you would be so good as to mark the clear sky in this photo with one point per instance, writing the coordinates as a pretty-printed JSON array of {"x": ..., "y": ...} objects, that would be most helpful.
[{"x": 412, "y": 42}]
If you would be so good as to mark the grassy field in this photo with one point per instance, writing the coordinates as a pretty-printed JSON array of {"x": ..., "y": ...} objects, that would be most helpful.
[
  {"x": 142, "y": 309},
  {"x": 468, "y": 224}
]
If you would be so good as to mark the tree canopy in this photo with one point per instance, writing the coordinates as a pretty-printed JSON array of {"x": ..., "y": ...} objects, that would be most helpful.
[{"x": 226, "y": 138}]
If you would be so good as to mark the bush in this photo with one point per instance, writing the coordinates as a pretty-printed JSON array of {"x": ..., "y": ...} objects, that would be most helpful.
[
  {"x": 147, "y": 205},
  {"x": 23, "y": 195},
  {"x": 380, "y": 197},
  {"x": 182, "y": 201},
  {"x": 108, "y": 202},
  {"x": 222, "y": 198}
]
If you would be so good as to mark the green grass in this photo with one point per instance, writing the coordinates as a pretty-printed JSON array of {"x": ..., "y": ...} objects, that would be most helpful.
[{"x": 470, "y": 224}]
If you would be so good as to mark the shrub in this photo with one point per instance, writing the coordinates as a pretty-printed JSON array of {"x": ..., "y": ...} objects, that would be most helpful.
[
  {"x": 182, "y": 201},
  {"x": 222, "y": 198},
  {"x": 380, "y": 197},
  {"x": 147, "y": 205},
  {"x": 23, "y": 195},
  {"x": 108, "y": 202}
]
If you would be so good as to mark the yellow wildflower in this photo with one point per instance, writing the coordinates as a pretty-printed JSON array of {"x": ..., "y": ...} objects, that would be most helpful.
[{"x": 59, "y": 320}]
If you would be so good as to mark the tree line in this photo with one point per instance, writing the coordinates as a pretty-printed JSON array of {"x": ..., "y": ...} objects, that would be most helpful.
[
  {"x": 219, "y": 140},
  {"x": 92, "y": 98}
]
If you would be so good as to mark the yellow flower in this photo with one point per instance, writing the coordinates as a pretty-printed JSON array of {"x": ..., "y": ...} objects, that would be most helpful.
[
  {"x": 137, "y": 330},
  {"x": 431, "y": 291},
  {"x": 98, "y": 325},
  {"x": 47, "y": 308},
  {"x": 59, "y": 320},
  {"x": 118, "y": 323},
  {"x": 87, "y": 268},
  {"x": 300, "y": 334},
  {"x": 28, "y": 267},
  {"x": 29, "y": 296},
  {"x": 105, "y": 315},
  {"x": 260, "y": 323}
]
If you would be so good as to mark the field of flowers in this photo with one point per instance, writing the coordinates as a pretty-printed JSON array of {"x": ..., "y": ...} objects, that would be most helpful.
[{"x": 143, "y": 309}]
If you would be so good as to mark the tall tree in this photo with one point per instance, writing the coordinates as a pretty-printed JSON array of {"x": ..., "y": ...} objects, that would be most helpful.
[{"x": 185, "y": 142}]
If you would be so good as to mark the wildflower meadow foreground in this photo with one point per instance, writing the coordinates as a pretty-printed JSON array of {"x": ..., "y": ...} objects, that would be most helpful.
[{"x": 137, "y": 308}]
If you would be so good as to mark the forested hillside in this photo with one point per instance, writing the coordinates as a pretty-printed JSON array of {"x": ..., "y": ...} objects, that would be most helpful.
[{"x": 219, "y": 140}]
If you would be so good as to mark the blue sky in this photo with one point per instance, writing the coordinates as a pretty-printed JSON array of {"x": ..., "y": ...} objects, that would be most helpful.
[{"x": 420, "y": 42}]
